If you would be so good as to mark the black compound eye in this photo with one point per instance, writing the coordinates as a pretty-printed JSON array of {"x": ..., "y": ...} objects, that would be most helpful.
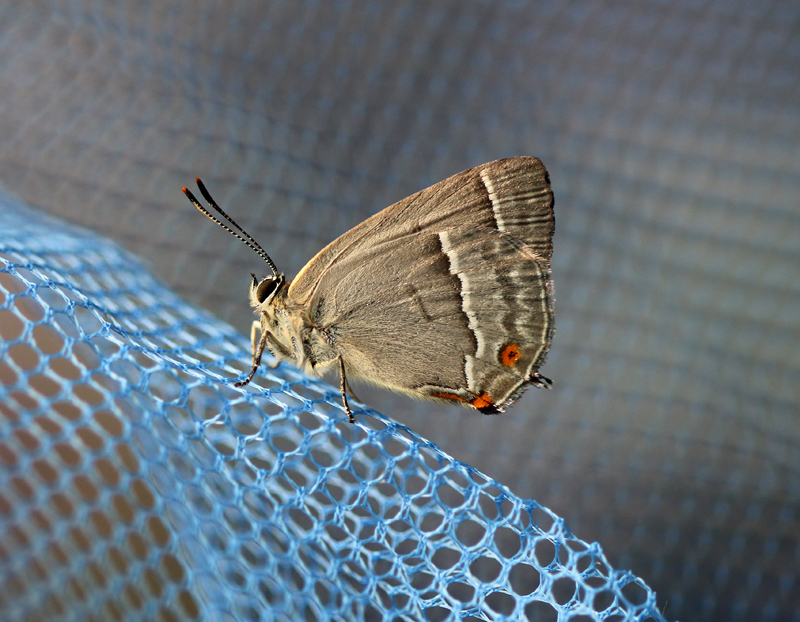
[{"x": 265, "y": 289}]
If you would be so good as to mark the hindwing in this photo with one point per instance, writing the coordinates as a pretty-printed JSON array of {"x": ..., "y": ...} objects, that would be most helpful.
[{"x": 507, "y": 296}]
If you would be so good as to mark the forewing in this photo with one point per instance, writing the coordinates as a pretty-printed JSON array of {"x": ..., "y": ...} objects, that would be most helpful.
[
  {"x": 512, "y": 195},
  {"x": 397, "y": 317}
]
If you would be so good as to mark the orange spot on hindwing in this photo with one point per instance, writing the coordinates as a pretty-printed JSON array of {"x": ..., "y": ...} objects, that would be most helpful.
[
  {"x": 482, "y": 401},
  {"x": 510, "y": 355},
  {"x": 449, "y": 396}
]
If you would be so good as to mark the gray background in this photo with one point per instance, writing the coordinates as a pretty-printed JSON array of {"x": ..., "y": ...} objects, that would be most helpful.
[{"x": 671, "y": 131}]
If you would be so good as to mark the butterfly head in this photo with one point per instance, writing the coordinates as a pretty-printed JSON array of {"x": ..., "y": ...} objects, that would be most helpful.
[{"x": 263, "y": 292}]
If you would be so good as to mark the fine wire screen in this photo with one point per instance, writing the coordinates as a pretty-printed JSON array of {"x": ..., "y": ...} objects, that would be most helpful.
[{"x": 136, "y": 483}]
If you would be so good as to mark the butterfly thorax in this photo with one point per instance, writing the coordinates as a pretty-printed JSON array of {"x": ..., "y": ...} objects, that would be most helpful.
[{"x": 291, "y": 334}]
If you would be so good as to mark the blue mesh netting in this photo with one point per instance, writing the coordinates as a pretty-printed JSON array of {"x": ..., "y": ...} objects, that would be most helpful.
[{"x": 137, "y": 484}]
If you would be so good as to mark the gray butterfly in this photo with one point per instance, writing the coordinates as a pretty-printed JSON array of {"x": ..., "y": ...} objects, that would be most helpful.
[{"x": 445, "y": 295}]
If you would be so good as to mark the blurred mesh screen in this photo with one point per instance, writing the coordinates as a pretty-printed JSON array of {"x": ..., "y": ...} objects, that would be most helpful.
[{"x": 671, "y": 131}]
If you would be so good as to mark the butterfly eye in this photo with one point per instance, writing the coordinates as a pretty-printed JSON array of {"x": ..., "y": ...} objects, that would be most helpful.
[{"x": 265, "y": 289}]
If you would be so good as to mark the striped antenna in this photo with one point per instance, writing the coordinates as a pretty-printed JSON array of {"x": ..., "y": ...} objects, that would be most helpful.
[{"x": 244, "y": 237}]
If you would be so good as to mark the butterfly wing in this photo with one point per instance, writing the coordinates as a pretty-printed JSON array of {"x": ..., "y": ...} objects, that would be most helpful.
[
  {"x": 446, "y": 294},
  {"x": 512, "y": 195}
]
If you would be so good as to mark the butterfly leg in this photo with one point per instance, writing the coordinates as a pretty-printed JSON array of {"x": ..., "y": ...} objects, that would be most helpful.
[
  {"x": 353, "y": 395},
  {"x": 350, "y": 391},
  {"x": 257, "y": 352},
  {"x": 344, "y": 389},
  {"x": 255, "y": 326}
]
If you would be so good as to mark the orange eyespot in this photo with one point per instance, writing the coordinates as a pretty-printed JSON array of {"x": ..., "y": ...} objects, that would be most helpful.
[
  {"x": 510, "y": 355},
  {"x": 482, "y": 401}
]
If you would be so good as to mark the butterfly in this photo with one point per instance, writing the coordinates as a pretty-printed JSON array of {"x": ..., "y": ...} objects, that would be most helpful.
[{"x": 446, "y": 295}]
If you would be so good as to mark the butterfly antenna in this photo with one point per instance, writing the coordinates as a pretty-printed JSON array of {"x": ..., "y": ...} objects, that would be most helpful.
[{"x": 247, "y": 239}]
